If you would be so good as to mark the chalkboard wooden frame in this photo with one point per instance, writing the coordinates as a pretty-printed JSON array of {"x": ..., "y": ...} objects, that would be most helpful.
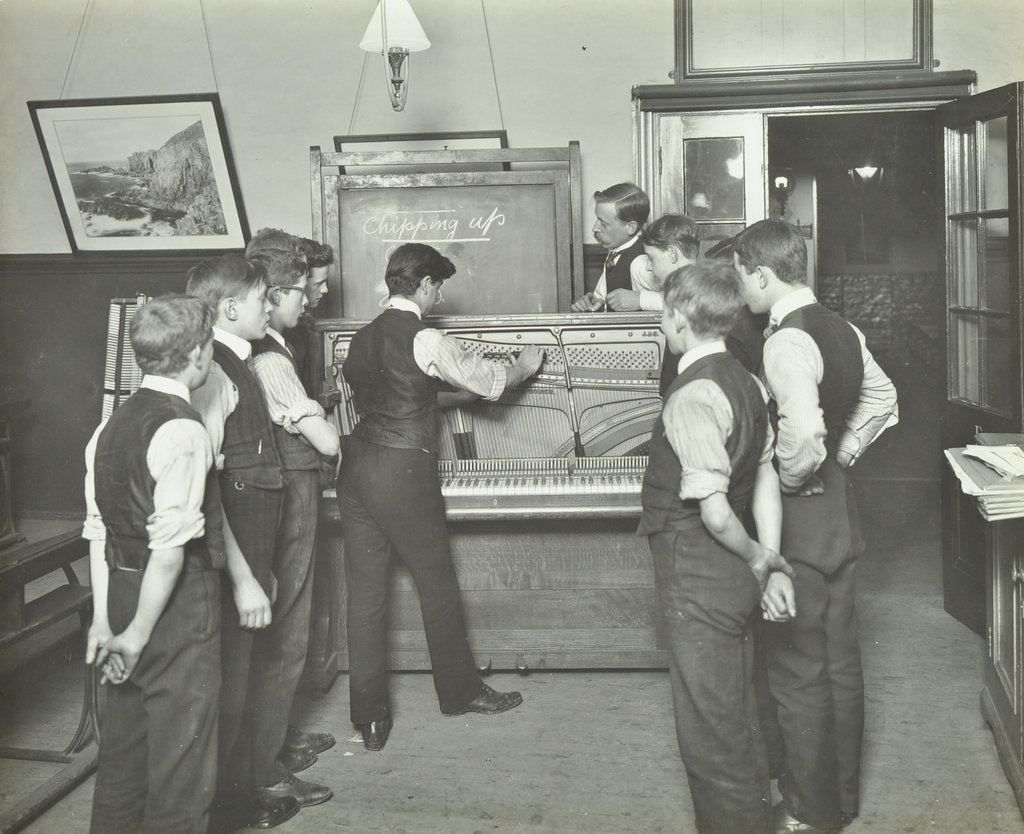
[{"x": 559, "y": 167}]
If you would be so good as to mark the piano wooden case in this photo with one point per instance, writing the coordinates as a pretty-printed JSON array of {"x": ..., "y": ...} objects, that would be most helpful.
[{"x": 543, "y": 496}]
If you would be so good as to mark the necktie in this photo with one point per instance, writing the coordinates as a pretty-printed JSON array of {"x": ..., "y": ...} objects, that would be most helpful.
[
  {"x": 609, "y": 262},
  {"x": 771, "y": 328}
]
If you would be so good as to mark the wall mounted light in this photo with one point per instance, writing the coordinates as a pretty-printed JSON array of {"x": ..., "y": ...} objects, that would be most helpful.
[
  {"x": 782, "y": 184},
  {"x": 394, "y": 32}
]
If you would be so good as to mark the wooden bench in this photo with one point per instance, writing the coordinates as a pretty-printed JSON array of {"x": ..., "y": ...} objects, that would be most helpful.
[{"x": 49, "y": 546}]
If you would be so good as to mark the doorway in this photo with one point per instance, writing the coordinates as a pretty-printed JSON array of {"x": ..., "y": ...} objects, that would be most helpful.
[{"x": 862, "y": 188}]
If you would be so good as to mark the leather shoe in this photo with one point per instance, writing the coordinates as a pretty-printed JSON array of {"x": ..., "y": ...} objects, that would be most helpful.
[
  {"x": 786, "y": 823},
  {"x": 292, "y": 787},
  {"x": 296, "y": 759},
  {"x": 317, "y": 742},
  {"x": 375, "y": 734},
  {"x": 270, "y": 813},
  {"x": 489, "y": 702}
]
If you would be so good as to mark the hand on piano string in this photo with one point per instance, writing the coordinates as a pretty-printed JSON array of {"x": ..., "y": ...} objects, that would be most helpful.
[{"x": 530, "y": 359}]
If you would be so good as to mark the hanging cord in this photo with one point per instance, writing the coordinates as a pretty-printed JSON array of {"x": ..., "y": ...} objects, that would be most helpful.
[
  {"x": 359, "y": 90},
  {"x": 490, "y": 54},
  {"x": 209, "y": 49},
  {"x": 74, "y": 51}
]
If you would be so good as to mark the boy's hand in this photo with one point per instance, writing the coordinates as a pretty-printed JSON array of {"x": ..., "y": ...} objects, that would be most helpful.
[
  {"x": 123, "y": 652},
  {"x": 622, "y": 301},
  {"x": 95, "y": 648},
  {"x": 766, "y": 562},
  {"x": 812, "y": 486},
  {"x": 588, "y": 303},
  {"x": 531, "y": 358},
  {"x": 253, "y": 605},
  {"x": 778, "y": 602}
]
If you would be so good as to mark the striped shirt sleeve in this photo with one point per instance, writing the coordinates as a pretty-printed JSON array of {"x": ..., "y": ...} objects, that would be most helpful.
[
  {"x": 698, "y": 420},
  {"x": 286, "y": 399},
  {"x": 442, "y": 357}
]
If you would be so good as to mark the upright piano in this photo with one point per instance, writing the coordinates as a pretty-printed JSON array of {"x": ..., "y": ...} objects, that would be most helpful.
[{"x": 542, "y": 491}]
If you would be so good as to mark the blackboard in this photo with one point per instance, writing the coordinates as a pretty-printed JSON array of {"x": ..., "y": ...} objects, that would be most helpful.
[
  {"x": 500, "y": 233},
  {"x": 514, "y": 236}
]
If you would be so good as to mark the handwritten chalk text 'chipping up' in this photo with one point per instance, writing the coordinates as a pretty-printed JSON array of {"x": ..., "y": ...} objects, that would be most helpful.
[{"x": 441, "y": 226}]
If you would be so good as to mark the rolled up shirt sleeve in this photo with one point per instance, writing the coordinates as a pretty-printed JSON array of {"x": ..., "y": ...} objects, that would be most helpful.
[
  {"x": 697, "y": 421},
  {"x": 442, "y": 357},
  {"x": 179, "y": 456},
  {"x": 93, "y": 530},
  {"x": 286, "y": 399}
]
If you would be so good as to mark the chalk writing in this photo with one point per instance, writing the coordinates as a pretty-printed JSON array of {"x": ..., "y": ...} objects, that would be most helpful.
[{"x": 438, "y": 226}]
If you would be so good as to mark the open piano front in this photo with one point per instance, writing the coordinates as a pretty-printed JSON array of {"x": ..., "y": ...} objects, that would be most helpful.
[
  {"x": 542, "y": 490},
  {"x": 572, "y": 441}
]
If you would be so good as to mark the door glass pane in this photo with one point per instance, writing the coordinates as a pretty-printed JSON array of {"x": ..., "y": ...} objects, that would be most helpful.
[
  {"x": 961, "y": 186},
  {"x": 963, "y": 263},
  {"x": 996, "y": 268},
  {"x": 1000, "y": 387},
  {"x": 964, "y": 359},
  {"x": 996, "y": 171}
]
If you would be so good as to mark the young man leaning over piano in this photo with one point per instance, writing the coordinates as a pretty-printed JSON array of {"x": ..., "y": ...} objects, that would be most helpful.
[{"x": 389, "y": 492}]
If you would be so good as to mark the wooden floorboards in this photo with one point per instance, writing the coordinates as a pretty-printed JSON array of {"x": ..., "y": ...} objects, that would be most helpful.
[{"x": 596, "y": 752}]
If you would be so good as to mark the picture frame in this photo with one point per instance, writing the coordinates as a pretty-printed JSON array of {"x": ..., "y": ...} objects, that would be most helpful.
[
  {"x": 768, "y": 39},
  {"x": 142, "y": 174}
]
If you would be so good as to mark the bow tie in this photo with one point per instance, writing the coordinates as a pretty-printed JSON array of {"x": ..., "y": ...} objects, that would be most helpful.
[{"x": 771, "y": 328}]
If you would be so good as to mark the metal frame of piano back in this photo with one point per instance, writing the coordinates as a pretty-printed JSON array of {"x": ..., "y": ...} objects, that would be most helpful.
[{"x": 542, "y": 490}]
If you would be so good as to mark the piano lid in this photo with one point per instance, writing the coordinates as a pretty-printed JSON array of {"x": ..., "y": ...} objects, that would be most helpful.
[{"x": 596, "y": 394}]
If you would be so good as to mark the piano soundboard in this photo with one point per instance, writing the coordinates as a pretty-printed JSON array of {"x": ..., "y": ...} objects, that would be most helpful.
[{"x": 570, "y": 442}]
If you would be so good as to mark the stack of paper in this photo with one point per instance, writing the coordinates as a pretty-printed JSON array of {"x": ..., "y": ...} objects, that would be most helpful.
[{"x": 994, "y": 475}]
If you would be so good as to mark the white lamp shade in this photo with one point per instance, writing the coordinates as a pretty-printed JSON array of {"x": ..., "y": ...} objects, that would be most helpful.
[{"x": 404, "y": 29}]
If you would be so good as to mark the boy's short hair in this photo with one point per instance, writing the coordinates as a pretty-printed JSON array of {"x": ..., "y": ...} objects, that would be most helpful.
[
  {"x": 226, "y": 276},
  {"x": 631, "y": 203},
  {"x": 673, "y": 230},
  {"x": 315, "y": 252},
  {"x": 410, "y": 263},
  {"x": 774, "y": 244},
  {"x": 284, "y": 268},
  {"x": 166, "y": 330},
  {"x": 271, "y": 239},
  {"x": 708, "y": 293}
]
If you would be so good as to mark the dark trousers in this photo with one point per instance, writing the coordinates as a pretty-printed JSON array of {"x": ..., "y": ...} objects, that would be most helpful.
[
  {"x": 708, "y": 597},
  {"x": 814, "y": 672},
  {"x": 391, "y": 504},
  {"x": 253, "y": 515},
  {"x": 158, "y": 759},
  {"x": 279, "y": 651}
]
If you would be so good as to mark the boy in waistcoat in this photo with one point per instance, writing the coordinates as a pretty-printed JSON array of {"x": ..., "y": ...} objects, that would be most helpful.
[
  {"x": 302, "y": 435},
  {"x": 831, "y": 400},
  {"x": 710, "y": 463},
  {"x": 389, "y": 492},
  {"x": 155, "y": 552},
  {"x": 625, "y": 283},
  {"x": 232, "y": 407}
]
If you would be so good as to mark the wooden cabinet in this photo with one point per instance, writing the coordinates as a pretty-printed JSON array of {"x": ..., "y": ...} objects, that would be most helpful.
[
  {"x": 1002, "y": 699},
  {"x": 538, "y": 594}
]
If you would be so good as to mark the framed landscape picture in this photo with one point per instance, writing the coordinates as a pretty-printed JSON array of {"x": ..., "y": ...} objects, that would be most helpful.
[{"x": 142, "y": 174}]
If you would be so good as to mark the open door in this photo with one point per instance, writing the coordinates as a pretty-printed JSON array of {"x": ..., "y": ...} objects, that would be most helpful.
[{"x": 980, "y": 138}]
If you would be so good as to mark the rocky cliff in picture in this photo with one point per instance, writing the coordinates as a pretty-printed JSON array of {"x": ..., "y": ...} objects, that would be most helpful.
[{"x": 171, "y": 190}]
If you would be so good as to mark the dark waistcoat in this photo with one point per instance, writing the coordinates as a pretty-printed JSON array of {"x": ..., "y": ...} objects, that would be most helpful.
[
  {"x": 296, "y": 452},
  {"x": 843, "y": 365},
  {"x": 662, "y": 507},
  {"x": 124, "y": 486},
  {"x": 396, "y": 401},
  {"x": 250, "y": 456},
  {"x": 618, "y": 277}
]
